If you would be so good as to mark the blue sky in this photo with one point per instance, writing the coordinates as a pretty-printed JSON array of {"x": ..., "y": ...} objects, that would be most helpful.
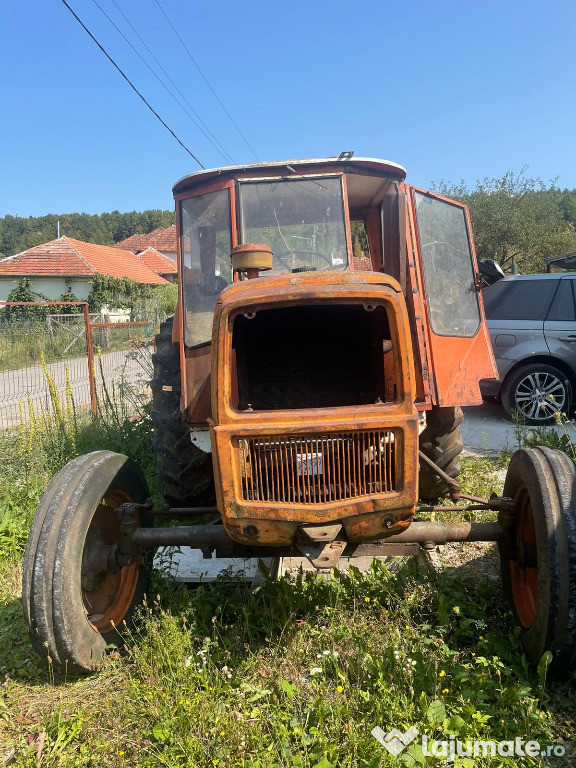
[{"x": 451, "y": 90}]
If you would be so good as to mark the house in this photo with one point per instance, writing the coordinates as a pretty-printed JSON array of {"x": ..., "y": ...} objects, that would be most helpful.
[
  {"x": 68, "y": 264},
  {"x": 159, "y": 263},
  {"x": 162, "y": 239}
]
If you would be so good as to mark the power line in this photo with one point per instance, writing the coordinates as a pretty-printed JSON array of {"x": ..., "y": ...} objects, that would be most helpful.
[
  {"x": 207, "y": 133},
  {"x": 221, "y": 148},
  {"x": 136, "y": 91},
  {"x": 207, "y": 81}
]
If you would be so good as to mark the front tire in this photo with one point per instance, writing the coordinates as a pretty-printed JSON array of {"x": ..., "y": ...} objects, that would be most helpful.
[
  {"x": 74, "y": 612},
  {"x": 539, "y": 562}
]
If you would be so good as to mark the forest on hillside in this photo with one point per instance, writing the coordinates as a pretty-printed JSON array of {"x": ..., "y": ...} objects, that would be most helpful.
[
  {"x": 517, "y": 220},
  {"x": 18, "y": 233}
]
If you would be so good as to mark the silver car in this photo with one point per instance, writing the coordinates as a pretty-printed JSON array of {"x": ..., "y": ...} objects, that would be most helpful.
[{"x": 532, "y": 324}]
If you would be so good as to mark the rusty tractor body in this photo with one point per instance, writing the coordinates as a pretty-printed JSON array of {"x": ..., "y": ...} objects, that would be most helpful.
[
  {"x": 311, "y": 379},
  {"x": 323, "y": 306}
]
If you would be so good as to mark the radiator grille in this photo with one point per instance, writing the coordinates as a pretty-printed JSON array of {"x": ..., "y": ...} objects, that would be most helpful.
[{"x": 317, "y": 469}]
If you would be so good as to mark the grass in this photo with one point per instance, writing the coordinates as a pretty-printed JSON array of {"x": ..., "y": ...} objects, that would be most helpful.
[
  {"x": 24, "y": 342},
  {"x": 295, "y": 672}
]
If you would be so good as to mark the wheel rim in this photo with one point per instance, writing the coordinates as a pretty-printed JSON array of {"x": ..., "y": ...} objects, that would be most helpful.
[
  {"x": 524, "y": 569},
  {"x": 540, "y": 395},
  {"x": 107, "y": 596}
]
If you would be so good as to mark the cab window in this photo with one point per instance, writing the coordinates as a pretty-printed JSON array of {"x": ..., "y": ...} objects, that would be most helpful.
[
  {"x": 448, "y": 267},
  {"x": 302, "y": 220},
  {"x": 206, "y": 245}
]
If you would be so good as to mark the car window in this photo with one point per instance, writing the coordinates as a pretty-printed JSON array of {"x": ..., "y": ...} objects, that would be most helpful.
[
  {"x": 493, "y": 295},
  {"x": 526, "y": 300},
  {"x": 562, "y": 307}
]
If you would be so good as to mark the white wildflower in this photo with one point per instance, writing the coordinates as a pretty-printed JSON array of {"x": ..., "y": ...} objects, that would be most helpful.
[{"x": 480, "y": 624}]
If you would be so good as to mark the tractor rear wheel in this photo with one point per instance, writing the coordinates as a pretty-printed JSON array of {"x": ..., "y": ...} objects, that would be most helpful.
[
  {"x": 539, "y": 562},
  {"x": 441, "y": 441},
  {"x": 74, "y": 605},
  {"x": 185, "y": 471}
]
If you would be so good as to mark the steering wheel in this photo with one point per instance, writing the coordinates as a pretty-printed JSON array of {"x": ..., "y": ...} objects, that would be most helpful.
[{"x": 301, "y": 251}]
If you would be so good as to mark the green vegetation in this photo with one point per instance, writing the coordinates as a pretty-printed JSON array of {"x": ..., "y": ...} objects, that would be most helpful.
[
  {"x": 18, "y": 233},
  {"x": 31, "y": 340},
  {"x": 117, "y": 292},
  {"x": 295, "y": 672},
  {"x": 517, "y": 220},
  {"x": 29, "y": 333},
  {"x": 565, "y": 440},
  {"x": 165, "y": 299},
  {"x": 24, "y": 343},
  {"x": 128, "y": 294}
]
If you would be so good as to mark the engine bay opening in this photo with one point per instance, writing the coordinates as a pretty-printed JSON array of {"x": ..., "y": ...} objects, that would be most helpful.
[{"x": 312, "y": 356}]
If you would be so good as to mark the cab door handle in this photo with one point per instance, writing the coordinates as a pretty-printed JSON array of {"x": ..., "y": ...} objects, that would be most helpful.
[{"x": 570, "y": 339}]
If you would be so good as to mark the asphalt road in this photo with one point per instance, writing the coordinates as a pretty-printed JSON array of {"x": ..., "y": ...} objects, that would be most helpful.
[
  {"x": 488, "y": 430},
  {"x": 121, "y": 368}
]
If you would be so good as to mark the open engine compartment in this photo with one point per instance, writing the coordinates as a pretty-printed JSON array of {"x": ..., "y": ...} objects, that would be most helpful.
[{"x": 312, "y": 356}]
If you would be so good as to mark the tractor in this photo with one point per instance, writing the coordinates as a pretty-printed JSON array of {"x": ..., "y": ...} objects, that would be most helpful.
[{"x": 325, "y": 308}]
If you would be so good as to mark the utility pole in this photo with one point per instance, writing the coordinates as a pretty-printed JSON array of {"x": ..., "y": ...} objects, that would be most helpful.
[{"x": 58, "y": 228}]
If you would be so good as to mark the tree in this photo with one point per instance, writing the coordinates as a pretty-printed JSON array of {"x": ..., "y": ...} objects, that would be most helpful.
[
  {"x": 516, "y": 220},
  {"x": 567, "y": 203},
  {"x": 18, "y": 233}
]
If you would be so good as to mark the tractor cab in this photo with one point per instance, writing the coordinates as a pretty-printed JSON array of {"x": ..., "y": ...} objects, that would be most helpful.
[
  {"x": 322, "y": 303},
  {"x": 337, "y": 216},
  {"x": 301, "y": 213}
]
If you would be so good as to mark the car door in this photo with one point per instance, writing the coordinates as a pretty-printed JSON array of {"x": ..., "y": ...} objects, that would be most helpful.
[
  {"x": 516, "y": 308},
  {"x": 560, "y": 323}
]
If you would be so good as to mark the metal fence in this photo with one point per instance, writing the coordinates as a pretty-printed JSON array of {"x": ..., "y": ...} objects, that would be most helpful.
[{"x": 52, "y": 352}]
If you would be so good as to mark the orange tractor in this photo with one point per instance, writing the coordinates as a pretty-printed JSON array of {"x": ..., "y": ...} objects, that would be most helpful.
[{"x": 324, "y": 307}]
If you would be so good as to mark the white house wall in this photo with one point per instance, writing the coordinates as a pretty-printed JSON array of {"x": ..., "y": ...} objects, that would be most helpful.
[{"x": 51, "y": 287}]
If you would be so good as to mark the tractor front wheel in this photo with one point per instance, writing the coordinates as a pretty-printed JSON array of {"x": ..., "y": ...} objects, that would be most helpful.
[
  {"x": 539, "y": 561},
  {"x": 74, "y": 607},
  {"x": 441, "y": 441}
]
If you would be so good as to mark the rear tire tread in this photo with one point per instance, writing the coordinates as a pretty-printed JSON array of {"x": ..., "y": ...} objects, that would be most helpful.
[
  {"x": 185, "y": 472},
  {"x": 441, "y": 441}
]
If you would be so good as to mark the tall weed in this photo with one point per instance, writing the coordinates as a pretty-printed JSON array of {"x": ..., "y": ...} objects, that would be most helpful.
[
  {"x": 51, "y": 436},
  {"x": 561, "y": 437}
]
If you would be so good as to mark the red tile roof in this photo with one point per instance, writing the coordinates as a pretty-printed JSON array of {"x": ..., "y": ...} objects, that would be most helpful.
[
  {"x": 73, "y": 258},
  {"x": 157, "y": 262},
  {"x": 161, "y": 239}
]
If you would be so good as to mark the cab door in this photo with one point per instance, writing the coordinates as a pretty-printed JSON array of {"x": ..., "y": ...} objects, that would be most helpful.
[{"x": 458, "y": 340}]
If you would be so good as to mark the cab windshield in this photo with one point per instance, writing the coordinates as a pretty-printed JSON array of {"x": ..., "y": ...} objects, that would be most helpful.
[{"x": 302, "y": 220}]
